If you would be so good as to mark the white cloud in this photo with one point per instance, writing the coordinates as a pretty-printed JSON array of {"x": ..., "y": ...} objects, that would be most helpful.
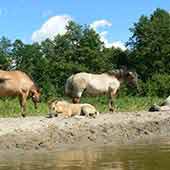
[
  {"x": 100, "y": 23},
  {"x": 53, "y": 26},
  {"x": 119, "y": 44},
  {"x": 116, "y": 44},
  {"x": 103, "y": 34},
  {"x": 57, "y": 25}
]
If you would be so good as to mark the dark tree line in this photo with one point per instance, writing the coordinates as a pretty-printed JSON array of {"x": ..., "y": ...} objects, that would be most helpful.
[
  {"x": 150, "y": 52},
  {"x": 80, "y": 49}
]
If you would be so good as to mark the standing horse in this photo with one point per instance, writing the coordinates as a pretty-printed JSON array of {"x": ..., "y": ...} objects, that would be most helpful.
[
  {"x": 98, "y": 84},
  {"x": 18, "y": 83}
]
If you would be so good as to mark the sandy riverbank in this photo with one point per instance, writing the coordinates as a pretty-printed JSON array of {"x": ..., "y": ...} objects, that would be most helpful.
[{"x": 43, "y": 133}]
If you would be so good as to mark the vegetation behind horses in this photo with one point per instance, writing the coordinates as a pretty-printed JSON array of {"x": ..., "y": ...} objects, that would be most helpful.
[
  {"x": 51, "y": 62},
  {"x": 10, "y": 108}
]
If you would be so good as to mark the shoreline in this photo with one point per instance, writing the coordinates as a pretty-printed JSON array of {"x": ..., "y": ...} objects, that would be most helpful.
[{"x": 34, "y": 133}]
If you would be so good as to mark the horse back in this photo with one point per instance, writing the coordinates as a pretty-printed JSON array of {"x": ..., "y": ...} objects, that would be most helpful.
[
  {"x": 76, "y": 81},
  {"x": 102, "y": 82},
  {"x": 13, "y": 82}
]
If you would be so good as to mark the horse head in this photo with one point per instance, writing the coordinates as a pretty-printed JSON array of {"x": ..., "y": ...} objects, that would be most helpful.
[
  {"x": 132, "y": 78},
  {"x": 35, "y": 94},
  {"x": 124, "y": 74}
]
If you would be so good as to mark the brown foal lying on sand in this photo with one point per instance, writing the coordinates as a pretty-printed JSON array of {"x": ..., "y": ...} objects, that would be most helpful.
[{"x": 69, "y": 109}]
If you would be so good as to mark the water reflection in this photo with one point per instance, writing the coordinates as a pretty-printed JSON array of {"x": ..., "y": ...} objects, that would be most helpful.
[{"x": 144, "y": 156}]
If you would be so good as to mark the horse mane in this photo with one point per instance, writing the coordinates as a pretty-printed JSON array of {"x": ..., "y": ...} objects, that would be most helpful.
[
  {"x": 118, "y": 73},
  {"x": 34, "y": 86}
]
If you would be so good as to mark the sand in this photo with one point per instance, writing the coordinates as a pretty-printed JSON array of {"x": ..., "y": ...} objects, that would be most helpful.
[{"x": 33, "y": 133}]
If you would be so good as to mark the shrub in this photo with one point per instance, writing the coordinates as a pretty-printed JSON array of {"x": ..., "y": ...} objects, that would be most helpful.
[{"x": 158, "y": 85}]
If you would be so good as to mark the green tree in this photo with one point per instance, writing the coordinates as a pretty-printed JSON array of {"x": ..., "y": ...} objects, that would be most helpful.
[
  {"x": 79, "y": 49},
  {"x": 5, "y": 53},
  {"x": 150, "y": 44},
  {"x": 52, "y": 61},
  {"x": 30, "y": 59}
]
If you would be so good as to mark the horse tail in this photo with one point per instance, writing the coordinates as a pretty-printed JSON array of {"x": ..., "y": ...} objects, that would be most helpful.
[{"x": 69, "y": 86}]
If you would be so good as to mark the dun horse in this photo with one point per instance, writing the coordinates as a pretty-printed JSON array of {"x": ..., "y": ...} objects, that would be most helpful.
[
  {"x": 98, "y": 84},
  {"x": 18, "y": 83}
]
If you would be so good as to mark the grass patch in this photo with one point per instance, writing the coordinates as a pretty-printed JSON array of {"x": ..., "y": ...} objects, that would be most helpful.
[
  {"x": 11, "y": 108},
  {"x": 124, "y": 104}
]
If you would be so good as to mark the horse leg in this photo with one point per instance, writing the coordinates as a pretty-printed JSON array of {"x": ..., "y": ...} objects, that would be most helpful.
[
  {"x": 76, "y": 100},
  {"x": 77, "y": 96},
  {"x": 35, "y": 105},
  {"x": 111, "y": 103},
  {"x": 111, "y": 107},
  {"x": 22, "y": 100}
]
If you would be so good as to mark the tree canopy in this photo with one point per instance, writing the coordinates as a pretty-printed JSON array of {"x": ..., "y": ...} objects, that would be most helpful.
[
  {"x": 52, "y": 61},
  {"x": 81, "y": 49},
  {"x": 150, "y": 44}
]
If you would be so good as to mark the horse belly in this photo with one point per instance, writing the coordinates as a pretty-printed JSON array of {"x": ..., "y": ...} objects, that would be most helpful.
[
  {"x": 7, "y": 90},
  {"x": 97, "y": 88}
]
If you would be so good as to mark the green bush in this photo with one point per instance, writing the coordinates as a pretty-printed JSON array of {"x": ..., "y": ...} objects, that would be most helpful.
[{"x": 158, "y": 85}]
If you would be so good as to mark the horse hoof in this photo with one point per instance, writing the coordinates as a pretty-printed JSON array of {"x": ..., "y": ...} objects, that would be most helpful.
[
  {"x": 23, "y": 115},
  {"x": 111, "y": 109},
  {"x": 49, "y": 116}
]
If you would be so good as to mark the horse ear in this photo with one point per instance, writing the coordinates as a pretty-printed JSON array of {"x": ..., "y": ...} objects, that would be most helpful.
[
  {"x": 51, "y": 101},
  {"x": 39, "y": 90},
  {"x": 129, "y": 73}
]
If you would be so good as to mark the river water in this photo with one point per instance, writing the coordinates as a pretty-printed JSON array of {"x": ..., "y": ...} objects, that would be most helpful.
[{"x": 145, "y": 155}]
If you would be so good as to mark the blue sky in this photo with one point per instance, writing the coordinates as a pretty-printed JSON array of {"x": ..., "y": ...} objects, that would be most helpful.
[{"x": 21, "y": 18}]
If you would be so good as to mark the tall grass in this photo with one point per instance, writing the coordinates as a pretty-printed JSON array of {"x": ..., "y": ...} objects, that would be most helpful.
[
  {"x": 124, "y": 104},
  {"x": 11, "y": 108}
]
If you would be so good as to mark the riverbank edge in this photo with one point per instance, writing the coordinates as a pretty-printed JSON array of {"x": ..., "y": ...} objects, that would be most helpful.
[{"x": 33, "y": 133}]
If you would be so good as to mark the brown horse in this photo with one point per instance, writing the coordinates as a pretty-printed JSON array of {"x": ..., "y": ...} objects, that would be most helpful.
[
  {"x": 18, "y": 83},
  {"x": 98, "y": 84}
]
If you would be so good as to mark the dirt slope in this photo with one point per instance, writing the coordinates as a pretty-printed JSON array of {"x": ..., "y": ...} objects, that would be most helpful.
[{"x": 43, "y": 133}]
